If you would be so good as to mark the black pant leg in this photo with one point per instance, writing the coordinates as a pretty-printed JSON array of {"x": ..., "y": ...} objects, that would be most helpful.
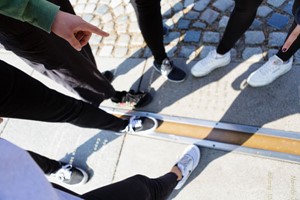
[
  {"x": 47, "y": 165},
  {"x": 150, "y": 21},
  {"x": 240, "y": 20},
  {"x": 26, "y": 98},
  {"x": 56, "y": 58},
  {"x": 137, "y": 187}
]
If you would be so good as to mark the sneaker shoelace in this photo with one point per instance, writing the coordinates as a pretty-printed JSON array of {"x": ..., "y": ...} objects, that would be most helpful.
[{"x": 64, "y": 173}]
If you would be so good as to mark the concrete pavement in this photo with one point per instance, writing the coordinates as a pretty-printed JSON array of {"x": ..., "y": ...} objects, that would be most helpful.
[{"x": 219, "y": 97}]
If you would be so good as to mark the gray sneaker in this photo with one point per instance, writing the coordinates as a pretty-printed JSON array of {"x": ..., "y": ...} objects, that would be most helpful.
[{"x": 187, "y": 163}]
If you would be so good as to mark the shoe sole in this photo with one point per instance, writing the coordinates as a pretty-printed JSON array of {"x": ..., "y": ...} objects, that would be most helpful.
[
  {"x": 174, "y": 81},
  {"x": 202, "y": 75},
  {"x": 269, "y": 82}
]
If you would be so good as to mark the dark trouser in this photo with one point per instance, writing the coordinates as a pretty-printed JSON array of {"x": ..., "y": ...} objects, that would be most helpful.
[
  {"x": 47, "y": 165},
  {"x": 24, "y": 97},
  {"x": 241, "y": 19},
  {"x": 150, "y": 21},
  {"x": 55, "y": 58},
  {"x": 137, "y": 187}
]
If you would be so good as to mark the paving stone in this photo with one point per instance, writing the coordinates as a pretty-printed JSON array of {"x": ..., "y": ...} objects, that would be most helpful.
[
  {"x": 253, "y": 54},
  {"x": 288, "y": 7},
  {"x": 107, "y": 17},
  {"x": 135, "y": 52},
  {"x": 132, "y": 17},
  {"x": 96, "y": 22},
  {"x": 211, "y": 37},
  {"x": 90, "y": 8},
  {"x": 263, "y": 11},
  {"x": 199, "y": 25},
  {"x": 177, "y": 7},
  {"x": 178, "y": 16},
  {"x": 102, "y": 9},
  {"x": 276, "y": 3},
  {"x": 79, "y": 8},
  {"x": 205, "y": 50},
  {"x": 106, "y": 2},
  {"x": 276, "y": 39},
  {"x": 106, "y": 51},
  {"x": 192, "y": 15},
  {"x": 120, "y": 52},
  {"x": 209, "y": 16},
  {"x": 119, "y": 11},
  {"x": 297, "y": 61},
  {"x": 192, "y": 36},
  {"x": 95, "y": 39},
  {"x": 201, "y": 5},
  {"x": 109, "y": 27},
  {"x": 272, "y": 52},
  {"x": 257, "y": 24},
  {"x": 111, "y": 39},
  {"x": 122, "y": 28},
  {"x": 223, "y": 5},
  {"x": 171, "y": 50},
  {"x": 188, "y": 3},
  {"x": 122, "y": 19},
  {"x": 254, "y": 37},
  {"x": 223, "y": 22},
  {"x": 183, "y": 24},
  {"x": 278, "y": 21},
  {"x": 129, "y": 9},
  {"x": 172, "y": 37},
  {"x": 87, "y": 17},
  {"x": 137, "y": 39},
  {"x": 147, "y": 53},
  {"x": 166, "y": 10},
  {"x": 114, "y": 3},
  {"x": 134, "y": 27},
  {"x": 187, "y": 51},
  {"x": 123, "y": 40}
]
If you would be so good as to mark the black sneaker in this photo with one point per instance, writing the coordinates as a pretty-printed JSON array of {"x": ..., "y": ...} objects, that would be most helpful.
[
  {"x": 140, "y": 124},
  {"x": 108, "y": 75},
  {"x": 132, "y": 99},
  {"x": 170, "y": 71},
  {"x": 70, "y": 175}
]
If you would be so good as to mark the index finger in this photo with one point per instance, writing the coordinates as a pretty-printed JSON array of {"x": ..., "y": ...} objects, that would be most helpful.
[{"x": 94, "y": 29}]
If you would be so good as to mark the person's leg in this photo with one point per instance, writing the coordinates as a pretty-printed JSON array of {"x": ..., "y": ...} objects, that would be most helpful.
[
  {"x": 136, "y": 187},
  {"x": 150, "y": 21},
  {"x": 26, "y": 98},
  {"x": 240, "y": 20},
  {"x": 47, "y": 165},
  {"x": 285, "y": 56}
]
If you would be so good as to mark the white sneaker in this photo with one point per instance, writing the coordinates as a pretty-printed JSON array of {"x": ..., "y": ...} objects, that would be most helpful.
[
  {"x": 211, "y": 62},
  {"x": 140, "y": 124},
  {"x": 270, "y": 71},
  {"x": 187, "y": 163}
]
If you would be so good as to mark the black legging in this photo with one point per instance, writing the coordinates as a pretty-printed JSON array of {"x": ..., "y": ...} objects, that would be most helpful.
[
  {"x": 26, "y": 98},
  {"x": 149, "y": 17},
  {"x": 241, "y": 19},
  {"x": 137, "y": 187}
]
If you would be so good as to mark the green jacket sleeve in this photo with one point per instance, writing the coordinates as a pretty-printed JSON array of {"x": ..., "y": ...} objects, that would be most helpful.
[{"x": 40, "y": 13}]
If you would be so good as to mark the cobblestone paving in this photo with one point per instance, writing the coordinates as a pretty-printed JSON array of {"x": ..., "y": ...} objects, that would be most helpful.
[{"x": 196, "y": 27}]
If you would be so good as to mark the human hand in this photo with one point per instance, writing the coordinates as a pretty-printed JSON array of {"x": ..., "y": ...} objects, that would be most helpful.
[
  {"x": 74, "y": 29},
  {"x": 293, "y": 36}
]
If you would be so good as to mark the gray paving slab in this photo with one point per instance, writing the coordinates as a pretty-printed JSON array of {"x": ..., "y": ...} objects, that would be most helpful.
[
  {"x": 93, "y": 150},
  {"x": 220, "y": 174},
  {"x": 224, "y": 96}
]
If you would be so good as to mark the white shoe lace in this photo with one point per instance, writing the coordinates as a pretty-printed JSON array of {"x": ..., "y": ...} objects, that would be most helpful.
[
  {"x": 64, "y": 173},
  {"x": 133, "y": 124},
  {"x": 183, "y": 163}
]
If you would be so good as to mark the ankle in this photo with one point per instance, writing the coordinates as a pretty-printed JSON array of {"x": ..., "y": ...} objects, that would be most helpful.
[{"x": 178, "y": 172}]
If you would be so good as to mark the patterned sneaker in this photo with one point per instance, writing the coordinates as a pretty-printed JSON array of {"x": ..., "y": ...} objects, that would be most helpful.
[
  {"x": 170, "y": 71},
  {"x": 132, "y": 99},
  {"x": 70, "y": 175},
  {"x": 270, "y": 71},
  {"x": 187, "y": 163},
  {"x": 211, "y": 62},
  {"x": 140, "y": 124}
]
